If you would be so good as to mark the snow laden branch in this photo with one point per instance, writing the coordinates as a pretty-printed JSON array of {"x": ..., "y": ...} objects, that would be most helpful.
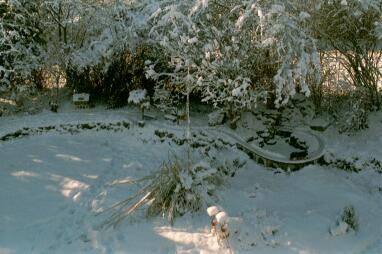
[
  {"x": 222, "y": 49},
  {"x": 284, "y": 32},
  {"x": 19, "y": 38},
  {"x": 203, "y": 57}
]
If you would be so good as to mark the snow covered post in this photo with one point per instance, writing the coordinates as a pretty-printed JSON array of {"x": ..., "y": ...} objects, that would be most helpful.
[
  {"x": 222, "y": 220},
  {"x": 219, "y": 218},
  {"x": 212, "y": 211},
  {"x": 138, "y": 97}
]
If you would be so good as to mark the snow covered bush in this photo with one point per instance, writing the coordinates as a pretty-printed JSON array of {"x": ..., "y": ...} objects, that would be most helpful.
[
  {"x": 103, "y": 45},
  {"x": 352, "y": 163},
  {"x": 224, "y": 50},
  {"x": 184, "y": 190},
  {"x": 349, "y": 217},
  {"x": 348, "y": 221},
  {"x": 175, "y": 190},
  {"x": 179, "y": 29},
  {"x": 169, "y": 101},
  {"x": 347, "y": 164},
  {"x": 285, "y": 34},
  {"x": 355, "y": 119},
  {"x": 349, "y": 31}
]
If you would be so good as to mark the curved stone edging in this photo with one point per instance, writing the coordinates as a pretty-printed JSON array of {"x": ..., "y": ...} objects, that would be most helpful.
[
  {"x": 257, "y": 153},
  {"x": 261, "y": 156},
  {"x": 66, "y": 129}
]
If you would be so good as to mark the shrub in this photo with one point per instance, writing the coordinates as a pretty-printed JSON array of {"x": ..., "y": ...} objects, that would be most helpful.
[
  {"x": 355, "y": 119},
  {"x": 349, "y": 216},
  {"x": 349, "y": 34},
  {"x": 172, "y": 192},
  {"x": 113, "y": 85},
  {"x": 89, "y": 80}
]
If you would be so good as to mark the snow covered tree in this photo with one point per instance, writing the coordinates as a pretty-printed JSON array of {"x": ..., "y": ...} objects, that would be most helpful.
[
  {"x": 202, "y": 58},
  {"x": 226, "y": 57},
  {"x": 217, "y": 47},
  {"x": 106, "y": 28},
  {"x": 109, "y": 61},
  {"x": 176, "y": 32},
  {"x": 20, "y": 37},
  {"x": 353, "y": 29},
  {"x": 284, "y": 32}
]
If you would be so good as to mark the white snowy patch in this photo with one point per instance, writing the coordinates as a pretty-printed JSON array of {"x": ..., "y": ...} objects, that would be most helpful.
[
  {"x": 48, "y": 205},
  {"x": 24, "y": 174},
  {"x": 340, "y": 229},
  {"x": 213, "y": 210},
  {"x": 222, "y": 217},
  {"x": 69, "y": 157}
]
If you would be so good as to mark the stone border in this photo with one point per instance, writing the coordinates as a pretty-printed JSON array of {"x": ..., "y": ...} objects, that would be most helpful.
[
  {"x": 65, "y": 129},
  {"x": 261, "y": 156}
]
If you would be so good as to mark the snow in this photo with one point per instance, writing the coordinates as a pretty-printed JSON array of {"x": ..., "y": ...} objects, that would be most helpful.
[
  {"x": 53, "y": 186},
  {"x": 222, "y": 218},
  {"x": 216, "y": 118},
  {"x": 212, "y": 210},
  {"x": 340, "y": 229},
  {"x": 58, "y": 177}
]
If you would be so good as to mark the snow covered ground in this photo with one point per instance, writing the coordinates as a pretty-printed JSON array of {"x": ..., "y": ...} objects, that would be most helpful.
[{"x": 52, "y": 185}]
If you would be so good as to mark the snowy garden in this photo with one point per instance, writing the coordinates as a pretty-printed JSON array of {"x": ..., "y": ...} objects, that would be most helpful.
[{"x": 194, "y": 126}]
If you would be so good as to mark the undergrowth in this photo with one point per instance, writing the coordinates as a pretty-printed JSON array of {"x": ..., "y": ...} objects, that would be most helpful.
[
  {"x": 352, "y": 164},
  {"x": 349, "y": 217},
  {"x": 176, "y": 189}
]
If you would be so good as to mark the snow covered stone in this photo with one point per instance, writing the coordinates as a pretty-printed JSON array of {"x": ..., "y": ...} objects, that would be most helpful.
[
  {"x": 171, "y": 118},
  {"x": 222, "y": 218},
  {"x": 141, "y": 123},
  {"x": 213, "y": 210},
  {"x": 340, "y": 229},
  {"x": 319, "y": 124},
  {"x": 150, "y": 116},
  {"x": 216, "y": 118}
]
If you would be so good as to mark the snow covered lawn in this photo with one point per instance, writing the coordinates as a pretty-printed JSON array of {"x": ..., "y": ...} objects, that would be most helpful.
[{"x": 52, "y": 186}]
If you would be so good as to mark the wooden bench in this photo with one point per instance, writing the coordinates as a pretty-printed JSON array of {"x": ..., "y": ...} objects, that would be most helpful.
[{"x": 81, "y": 100}]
